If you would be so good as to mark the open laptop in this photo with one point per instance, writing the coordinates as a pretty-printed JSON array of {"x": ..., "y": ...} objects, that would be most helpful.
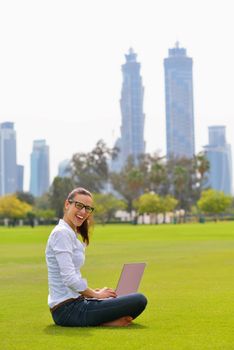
[{"x": 130, "y": 278}]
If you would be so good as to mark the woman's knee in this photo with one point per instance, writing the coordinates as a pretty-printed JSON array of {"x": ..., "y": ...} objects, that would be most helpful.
[
  {"x": 137, "y": 300},
  {"x": 142, "y": 301}
]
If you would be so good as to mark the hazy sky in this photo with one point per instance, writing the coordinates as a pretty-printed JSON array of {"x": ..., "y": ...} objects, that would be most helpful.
[{"x": 60, "y": 69}]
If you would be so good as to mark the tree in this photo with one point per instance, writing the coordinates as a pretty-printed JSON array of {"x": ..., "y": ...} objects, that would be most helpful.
[
  {"x": 45, "y": 215},
  {"x": 230, "y": 210},
  {"x": 90, "y": 170},
  {"x": 214, "y": 202},
  {"x": 157, "y": 174},
  {"x": 168, "y": 204},
  {"x": 58, "y": 192},
  {"x": 26, "y": 197},
  {"x": 41, "y": 210},
  {"x": 153, "y": 170},
  {"x": 202, "y": 167},
  {"x": 42, "y": 202},
  {"x": 149, "y": 203},
  {"x": 182, "y": 181},
  {"x": 106, "y": 206},
  {"x": 129, "y": 182},
  {"x": 12, "y": 208}
]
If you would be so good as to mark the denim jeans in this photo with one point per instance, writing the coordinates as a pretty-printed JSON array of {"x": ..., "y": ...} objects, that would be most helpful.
[{"x": 84, "y": 313}]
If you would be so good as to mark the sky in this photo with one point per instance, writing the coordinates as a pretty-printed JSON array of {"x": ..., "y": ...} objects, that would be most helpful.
[{"x": 60, "y": 69}]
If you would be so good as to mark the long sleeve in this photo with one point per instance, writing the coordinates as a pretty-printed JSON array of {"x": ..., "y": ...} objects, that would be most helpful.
[
  {"x": 65, "y": 255},
  {"x": 64, "y": 250}
]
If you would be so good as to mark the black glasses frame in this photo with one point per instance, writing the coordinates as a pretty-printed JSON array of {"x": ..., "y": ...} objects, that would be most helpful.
[{"x": 80, "y": 206}]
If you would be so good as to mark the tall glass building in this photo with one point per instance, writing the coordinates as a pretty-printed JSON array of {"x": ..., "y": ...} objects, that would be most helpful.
[
  {"x": 179, "y": 103},
  {"x": 131, "y": 141},
  {"x": 39, "y": 179},
  {"x": 8, "y": 166},
  {"x": 20, "y": 178},
  {"x": 64, "y": 168},
  {"x": 218, "y": 152}
]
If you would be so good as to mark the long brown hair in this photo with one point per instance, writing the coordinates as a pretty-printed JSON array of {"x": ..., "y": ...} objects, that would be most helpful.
[{"x": 84, "y": 229}]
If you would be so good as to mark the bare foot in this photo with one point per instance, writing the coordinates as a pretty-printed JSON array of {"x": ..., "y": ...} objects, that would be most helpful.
[{"x": 120, "y": 322}]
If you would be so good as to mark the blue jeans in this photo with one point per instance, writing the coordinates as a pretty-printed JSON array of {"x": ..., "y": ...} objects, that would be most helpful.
[{"x": 85, "y": 313}]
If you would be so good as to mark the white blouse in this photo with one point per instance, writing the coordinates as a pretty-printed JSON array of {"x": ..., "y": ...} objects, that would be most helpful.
[{"x": 65, "y": 255}]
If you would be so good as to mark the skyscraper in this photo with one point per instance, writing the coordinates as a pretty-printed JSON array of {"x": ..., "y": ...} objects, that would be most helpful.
[
  {"x": 20, "y": 178},
  {"x": 179, "y": 103},
  {"x": 8, "y": 167},
  {"x": 64, "y": 168},
  {"x": 218, "y": 152},
  {"x": 131, "y": 141},
  {"x": 39, "y": 180}
]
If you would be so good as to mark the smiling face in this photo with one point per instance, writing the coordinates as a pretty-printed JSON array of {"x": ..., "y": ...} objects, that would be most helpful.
[{"x": 73, "y": 216}]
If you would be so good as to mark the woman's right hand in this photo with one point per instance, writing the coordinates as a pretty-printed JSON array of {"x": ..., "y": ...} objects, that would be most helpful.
[{"x": 105, "y": 293}]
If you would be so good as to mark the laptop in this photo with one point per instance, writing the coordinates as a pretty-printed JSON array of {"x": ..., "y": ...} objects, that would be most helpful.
[{"x": 130, "y": 278}]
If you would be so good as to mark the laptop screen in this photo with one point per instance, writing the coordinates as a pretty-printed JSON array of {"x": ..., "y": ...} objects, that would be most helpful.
[{"x": 130, "y": 278}]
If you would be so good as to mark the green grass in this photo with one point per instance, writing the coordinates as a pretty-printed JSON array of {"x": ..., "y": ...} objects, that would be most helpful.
[{"x": 188, "y": 282}]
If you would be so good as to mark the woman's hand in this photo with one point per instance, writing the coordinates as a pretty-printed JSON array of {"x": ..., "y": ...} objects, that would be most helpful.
[
  {"x": 105, "y": 293},
  {"x": 99, "y": 293}
]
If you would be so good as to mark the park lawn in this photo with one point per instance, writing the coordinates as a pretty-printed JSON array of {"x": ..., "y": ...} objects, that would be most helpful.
[{"x": 188, "y": 282}]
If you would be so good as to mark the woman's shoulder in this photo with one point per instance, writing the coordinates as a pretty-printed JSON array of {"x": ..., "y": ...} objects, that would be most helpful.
[{"x": 60, "y": 230}]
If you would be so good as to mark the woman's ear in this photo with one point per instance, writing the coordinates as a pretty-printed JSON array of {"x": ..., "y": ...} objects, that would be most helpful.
[{"x": 66, "y": 204}]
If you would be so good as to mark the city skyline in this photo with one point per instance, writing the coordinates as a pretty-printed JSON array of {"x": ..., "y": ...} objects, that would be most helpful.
[
  {"x": 179, "y": 123},
  {"x": 61, "y": 81}
]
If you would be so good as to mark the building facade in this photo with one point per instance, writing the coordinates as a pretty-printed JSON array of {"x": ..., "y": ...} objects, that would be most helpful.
[
  {"x": 131, "y": 141},
  {"x": 20, "y": 178},
  {"x": 8, "y": 166},
  {"x": 179, "y": 104},
  {"x": 64, "y": 168},
  {"x": 40, "y": 174},
  {"x": 218, "y": 152}
]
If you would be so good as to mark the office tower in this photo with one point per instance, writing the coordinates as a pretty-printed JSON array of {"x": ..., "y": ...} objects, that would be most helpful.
[
  {"x": 20, "y": 178},
  {"x": 39, "y": 180},
  {"x": 179, "y": 104},
  {"x": 218, "y": 152},
  {"x": 8, "y": 167},
  {"x": 131, "y": 141},
  {"x": 64, "y": 169}
]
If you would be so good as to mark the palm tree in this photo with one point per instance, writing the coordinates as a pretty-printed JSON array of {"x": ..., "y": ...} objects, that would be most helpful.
[
  {"x": 203, "y": 166},
  {"x": 129, "y": 182}
]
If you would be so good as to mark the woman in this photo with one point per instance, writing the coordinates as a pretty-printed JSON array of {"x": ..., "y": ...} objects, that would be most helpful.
[{"x": 71, "y": 301}]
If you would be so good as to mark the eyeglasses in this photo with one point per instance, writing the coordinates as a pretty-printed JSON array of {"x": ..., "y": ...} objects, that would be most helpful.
[{"x": 80, "y": 206}]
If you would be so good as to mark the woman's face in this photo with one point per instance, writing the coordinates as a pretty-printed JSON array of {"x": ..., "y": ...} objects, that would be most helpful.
[{"x": 75, "y": 216}]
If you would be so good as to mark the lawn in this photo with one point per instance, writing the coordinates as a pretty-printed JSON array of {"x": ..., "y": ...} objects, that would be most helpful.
[{"x": 188, "y": 282}]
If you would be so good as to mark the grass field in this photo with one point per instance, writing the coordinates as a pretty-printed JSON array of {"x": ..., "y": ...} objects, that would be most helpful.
[{"x": 188, "y": 281}]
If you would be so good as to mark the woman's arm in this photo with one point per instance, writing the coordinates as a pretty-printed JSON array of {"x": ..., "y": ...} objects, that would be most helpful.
[{"x": 62, "y": 247}]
